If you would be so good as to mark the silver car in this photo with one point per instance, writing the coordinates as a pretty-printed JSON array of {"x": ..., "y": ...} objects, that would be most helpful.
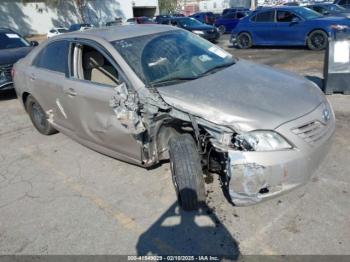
[{"x": 144, "y": 94}]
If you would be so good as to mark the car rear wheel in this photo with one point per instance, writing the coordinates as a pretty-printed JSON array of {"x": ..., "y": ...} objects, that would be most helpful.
[
  {"x": 244, "y": 41},
  {"x": 186, "y": 172},
  {"x": 39, "y": 117},
  {"x": 222, "y": 29},
  {"x": 317, "y": 40}
]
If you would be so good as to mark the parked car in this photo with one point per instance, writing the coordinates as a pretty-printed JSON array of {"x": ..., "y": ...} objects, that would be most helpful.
[
  {"x": 208, "y": 32},
  {"x": 144, "y": 94},
  {"x": 140, "y": 20},
  {"x": 286, "y": 26},
  {"x": 291, "y": 4},
  {"x": 204, "y": 17},
  {"x": 13, "y": 47},
  {"x": 343, "y": 3},
  {"x": 117, "y": 21},
  {"x": 330, "y": 10},
  {"x": 56, "y": 31},
  {"x": 178, "y": 15},
  {"x": 80, "y": 27},
  {"x": 233, "y": 10},
  {"x": 163, "y": 19},
  {"x": 226, "y": 23}
]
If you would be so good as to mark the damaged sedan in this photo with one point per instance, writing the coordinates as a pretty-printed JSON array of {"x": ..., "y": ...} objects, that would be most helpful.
[{"x": 147, "y": 94}]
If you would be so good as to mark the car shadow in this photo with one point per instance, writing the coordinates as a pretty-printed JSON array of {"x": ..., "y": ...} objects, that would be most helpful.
[
  {"x": 178, "y": 232},
  {"x": 7, "y": 95}
]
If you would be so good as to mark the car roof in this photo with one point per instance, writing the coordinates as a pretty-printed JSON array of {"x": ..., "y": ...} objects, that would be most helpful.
[
  {"x": 124, "y": 31},
  {"x": 321, "y": 4},
  {"x": 6, "y": 30},
  {"x": 280, "y": 7}
]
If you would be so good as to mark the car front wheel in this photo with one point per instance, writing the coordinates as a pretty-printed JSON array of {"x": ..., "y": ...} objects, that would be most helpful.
[
  {"x": 244, "y": 41},
  {"x": 186, "y": 172},
  {"x": 317, "y": 40},
  {"x": 39, "y": 117}
]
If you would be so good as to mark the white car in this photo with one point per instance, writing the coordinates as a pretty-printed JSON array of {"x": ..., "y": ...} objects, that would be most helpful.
[{"x": 57, "y": 31}]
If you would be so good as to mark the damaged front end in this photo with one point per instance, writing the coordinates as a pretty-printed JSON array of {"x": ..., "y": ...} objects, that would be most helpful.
[{"x": 253, "y": 165}]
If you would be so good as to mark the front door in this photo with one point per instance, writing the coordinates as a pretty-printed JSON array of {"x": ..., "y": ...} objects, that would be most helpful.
[
  {"x": 88, "y": 102},
  {"x": 290, "y": 28}
]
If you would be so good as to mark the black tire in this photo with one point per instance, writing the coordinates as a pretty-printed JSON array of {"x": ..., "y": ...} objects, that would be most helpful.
[
  {"x": 38, "y": 117},
  {"x": 222, "y": 29},
  {"x": 186, "y": 172},
  {"x": 244, "y": 41},
  {"x": 317, "y": 40}
]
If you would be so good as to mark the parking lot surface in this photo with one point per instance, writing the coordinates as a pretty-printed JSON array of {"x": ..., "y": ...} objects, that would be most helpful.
[{"x": 58, "y": 197}]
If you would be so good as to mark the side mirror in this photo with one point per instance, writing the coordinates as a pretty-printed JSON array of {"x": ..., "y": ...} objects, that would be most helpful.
[
  {"x": 326, "y": 12},
  {"x": 295, "y": 20},
  {"x": 34, "y": 43}
]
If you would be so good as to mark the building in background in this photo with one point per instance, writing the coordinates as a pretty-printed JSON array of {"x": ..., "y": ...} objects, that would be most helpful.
[
  {"x": 38, "y": 17},
  {"x": 217, "y": 6},
  {"x": 188, "y": 7}
]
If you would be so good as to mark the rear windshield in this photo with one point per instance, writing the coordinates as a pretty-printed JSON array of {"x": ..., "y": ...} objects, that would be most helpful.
[{"x": 12, "y": 40}]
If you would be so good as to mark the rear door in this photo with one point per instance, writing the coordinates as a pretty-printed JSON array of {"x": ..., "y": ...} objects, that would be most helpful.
[
  {"x": 262, "y": 27},
  {"x": 88, "y": 97},
  {"x": 46, "y": 78}
]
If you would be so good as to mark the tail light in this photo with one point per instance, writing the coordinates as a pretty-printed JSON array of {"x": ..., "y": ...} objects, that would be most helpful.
[
  {"x": 13, "y": 71},
  {"x": 206, "y": 19}
]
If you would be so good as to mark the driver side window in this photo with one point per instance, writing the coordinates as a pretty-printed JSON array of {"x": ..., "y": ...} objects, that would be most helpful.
[
  {"x": 285, "y": 16},
  {"x": 91, "y": 65}
]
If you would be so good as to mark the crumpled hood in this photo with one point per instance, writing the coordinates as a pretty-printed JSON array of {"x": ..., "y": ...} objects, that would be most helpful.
[
  {"x": 245, "y": 96},
  {"x": 11, "y": 56}
]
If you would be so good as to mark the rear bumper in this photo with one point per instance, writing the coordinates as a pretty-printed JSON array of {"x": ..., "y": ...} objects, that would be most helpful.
[{"x": 257, "y": 176}]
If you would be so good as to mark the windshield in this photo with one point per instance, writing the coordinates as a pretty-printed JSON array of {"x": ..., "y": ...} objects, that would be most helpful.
[
  {"x": 12, "y": 40},
  {"x": 307, "y": 13},
  {"x": 336, "y": 8},
  {"x": 164, "y": 58},
  {"x": 188, "y": 22}
]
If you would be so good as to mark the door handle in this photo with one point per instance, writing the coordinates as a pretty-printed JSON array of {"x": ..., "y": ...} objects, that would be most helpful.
[{"x": 71, "y": 92}]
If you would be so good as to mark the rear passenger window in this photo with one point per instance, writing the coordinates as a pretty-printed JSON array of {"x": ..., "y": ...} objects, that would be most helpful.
[
  {"x": 54, "y": 57},
  {"x": 268, "y": 16}
]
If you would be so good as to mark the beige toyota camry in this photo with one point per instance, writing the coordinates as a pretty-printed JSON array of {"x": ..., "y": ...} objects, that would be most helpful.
[{"x": 144, "y": 94}]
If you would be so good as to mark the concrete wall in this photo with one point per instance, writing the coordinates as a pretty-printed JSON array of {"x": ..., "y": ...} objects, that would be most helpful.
[{"x": 38, "y": 18}]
